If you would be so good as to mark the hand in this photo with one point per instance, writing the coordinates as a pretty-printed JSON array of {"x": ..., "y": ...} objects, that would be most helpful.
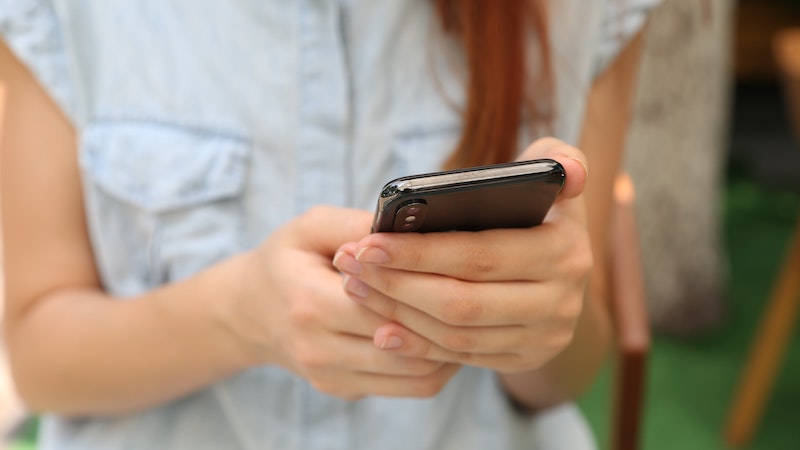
[
  {"x": 503, "y": 299},
  {"x": 295, "y": 314}
]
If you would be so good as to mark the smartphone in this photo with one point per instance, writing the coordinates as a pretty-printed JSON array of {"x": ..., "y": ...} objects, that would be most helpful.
[{"x": 509, "y": 195}]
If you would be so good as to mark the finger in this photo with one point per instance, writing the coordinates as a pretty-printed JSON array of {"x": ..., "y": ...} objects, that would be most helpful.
[
  {"x": 337, "y": 312},
  {"x": 323, "y": 229},
  {"x": 562, "y": 242},
  {"x": 351, "y": 353},
  {"x": 572, "y": 159},
  {"x": 415, "y": 346},
  {"x": 343, "y": 260},
  {"x": 401, "y": 386},
  {"x": 419, "y": 331},
  {"x": 410, "y": 344},
  {"x": 570, "y": 203},
  {"x": 452, "y": 301},
  {"x": 427, "y": 337},
  {"x": 538, "y": 253}
]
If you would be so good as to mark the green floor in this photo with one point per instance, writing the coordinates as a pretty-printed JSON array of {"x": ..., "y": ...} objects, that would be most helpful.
[{"x": 690, "y": 381}]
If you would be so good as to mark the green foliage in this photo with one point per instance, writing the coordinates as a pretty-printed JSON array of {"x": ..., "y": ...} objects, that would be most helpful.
[{"x": 691, "y": 381}]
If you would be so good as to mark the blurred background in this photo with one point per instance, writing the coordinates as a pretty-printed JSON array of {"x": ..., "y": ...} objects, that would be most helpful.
[
  {"x": 718, "y": 117},
  {"x": 714, "y": 115}
]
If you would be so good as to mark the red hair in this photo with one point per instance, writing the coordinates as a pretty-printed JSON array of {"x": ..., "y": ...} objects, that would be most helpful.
[{"x": 494, "y": 34}]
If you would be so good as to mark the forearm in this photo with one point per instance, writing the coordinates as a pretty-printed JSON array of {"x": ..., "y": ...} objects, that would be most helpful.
[
  {"x": 79, "y": 352},
  {"x": 567, "y": 375}
]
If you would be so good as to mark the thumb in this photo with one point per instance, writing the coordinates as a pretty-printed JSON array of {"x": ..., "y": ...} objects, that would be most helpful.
[
  {"x": 572, "y": 159},
  {"x": 323, "y": 229}
]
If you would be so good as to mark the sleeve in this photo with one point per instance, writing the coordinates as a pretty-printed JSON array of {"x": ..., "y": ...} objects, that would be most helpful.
[
  {"x": 621, "y": 20},
  {"x": 32, "y": 30}
]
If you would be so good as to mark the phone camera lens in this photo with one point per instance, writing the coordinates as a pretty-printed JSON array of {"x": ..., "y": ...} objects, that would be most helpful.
[{"x": 411, "y": 216}]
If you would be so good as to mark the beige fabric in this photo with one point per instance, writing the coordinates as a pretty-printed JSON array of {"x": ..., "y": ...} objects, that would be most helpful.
[{"x": 675, "y": 155}]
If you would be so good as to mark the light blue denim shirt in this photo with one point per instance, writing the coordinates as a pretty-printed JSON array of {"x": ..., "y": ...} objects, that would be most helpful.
[{"x": 205, "y": 124}]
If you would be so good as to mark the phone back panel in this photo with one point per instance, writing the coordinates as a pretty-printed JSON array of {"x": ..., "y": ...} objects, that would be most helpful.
[{"x": 515, "y": 202}]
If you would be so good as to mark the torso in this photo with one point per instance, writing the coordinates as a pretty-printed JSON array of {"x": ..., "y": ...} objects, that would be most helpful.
[{"x": 205, "y": 125}]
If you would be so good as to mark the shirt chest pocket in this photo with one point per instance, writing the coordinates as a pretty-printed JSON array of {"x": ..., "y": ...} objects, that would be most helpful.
[{"x": 162, "y": 202}]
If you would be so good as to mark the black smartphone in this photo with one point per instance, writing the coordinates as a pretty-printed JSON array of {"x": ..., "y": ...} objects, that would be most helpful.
[{"x": 509, "y": 195}]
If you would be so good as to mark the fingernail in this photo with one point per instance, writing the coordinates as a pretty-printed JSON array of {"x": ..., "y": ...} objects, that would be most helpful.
[
  {"x": 583, "y": 164},
  {"x": 372, "y": 255},
  {"x": 346, "y": 263},
  {"x": 391, "y": 342},
  {"x": 355, "y": 286}
]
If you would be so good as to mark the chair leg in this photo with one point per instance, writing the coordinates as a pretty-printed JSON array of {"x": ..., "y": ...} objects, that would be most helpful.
[
  {"x": 628, "y": 306},
  {"x": 767, "y": 352}
]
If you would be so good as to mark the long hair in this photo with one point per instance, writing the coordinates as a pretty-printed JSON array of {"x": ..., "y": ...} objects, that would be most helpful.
[{"x": 494, "y": 35}]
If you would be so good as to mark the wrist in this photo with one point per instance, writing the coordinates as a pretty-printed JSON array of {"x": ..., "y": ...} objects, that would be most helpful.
[{"x": 241, "y": 331}]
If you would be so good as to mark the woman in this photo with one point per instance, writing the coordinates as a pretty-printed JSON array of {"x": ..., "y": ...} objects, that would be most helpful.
[{"x": 173, "y": 282}]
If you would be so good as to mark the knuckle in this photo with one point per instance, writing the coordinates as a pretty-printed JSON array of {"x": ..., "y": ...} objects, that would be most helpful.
[
  {"x": 576, "y": 256},
  {"x": 458, "y": 341},
  {"x": 429, "y": 386},
  {"x": 385, "y": 282},
  {"x": 465, "y": 358},
  {"x": 317, "y": 213},
  {"x": 461, "y": 308},
  {"x": 421, "y": 367},
  {"x": 478, "y": 261},
  {"x": 583, "y": 256},
  {"x": 303, "y": 314},
  {"x": 418, "y": 349},
  {"x": 309, "y": 359},
  {"x": 413, "y": 254},
  {"x": 559, "y": 238},
  {"x": 389, "y": 309}
]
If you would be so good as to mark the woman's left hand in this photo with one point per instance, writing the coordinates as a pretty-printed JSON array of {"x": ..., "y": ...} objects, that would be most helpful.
[{"x": 504, "y": 299}]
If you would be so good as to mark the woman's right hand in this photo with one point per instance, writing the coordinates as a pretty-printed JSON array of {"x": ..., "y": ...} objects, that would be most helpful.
[
  {"x": 78, "y": 350},
  {"x": 294, "y": 313}
]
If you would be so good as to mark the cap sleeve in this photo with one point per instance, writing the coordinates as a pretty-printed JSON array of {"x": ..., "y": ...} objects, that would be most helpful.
[
  {"x": 33, "y": 32},
  {"x": 622, "y": 19}
]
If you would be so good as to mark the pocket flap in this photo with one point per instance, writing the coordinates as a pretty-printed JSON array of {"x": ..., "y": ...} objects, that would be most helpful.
[{"x": 160, "y": 167}]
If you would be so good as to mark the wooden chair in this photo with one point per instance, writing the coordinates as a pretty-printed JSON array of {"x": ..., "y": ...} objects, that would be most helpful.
[
  {"x": 630, "y": 320},
  {"x": 767, "y": 350},
  {"x": 780, "y": 315}
]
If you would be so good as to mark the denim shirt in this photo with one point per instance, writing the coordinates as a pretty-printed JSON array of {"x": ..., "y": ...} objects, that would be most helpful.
[{"x": 204, "y": 125}]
